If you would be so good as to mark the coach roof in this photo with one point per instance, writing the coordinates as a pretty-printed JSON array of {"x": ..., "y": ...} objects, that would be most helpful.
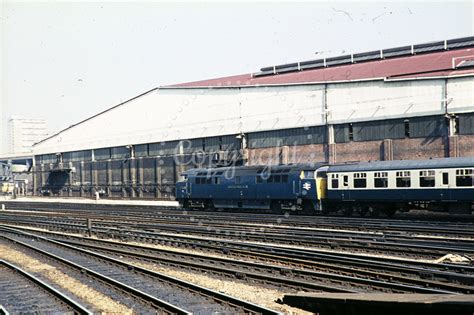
[{"x": 404, "y": 165}]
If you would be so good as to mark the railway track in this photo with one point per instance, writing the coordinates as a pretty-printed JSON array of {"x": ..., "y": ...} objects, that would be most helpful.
[
  {"x": 281, "y": 274},
  {"x": 24, "y": 293},
  {"x": 362, "y": 242},
  {"x": 161, "y": 293},
  {"x": 452, "y": 225},
  {"x": 340, "y": 273},
  {"x": 240, "y": 247}
]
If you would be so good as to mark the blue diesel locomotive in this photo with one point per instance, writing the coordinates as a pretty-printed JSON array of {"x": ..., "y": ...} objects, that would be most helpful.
[
  {"x": 279, "y": 188},
  {"x": 386, "y": 186}
]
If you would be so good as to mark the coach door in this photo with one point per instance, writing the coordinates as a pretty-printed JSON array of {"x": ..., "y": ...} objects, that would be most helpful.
[
  {"x": 345, "y": 194},
  {"x": 445, "y": 192}
]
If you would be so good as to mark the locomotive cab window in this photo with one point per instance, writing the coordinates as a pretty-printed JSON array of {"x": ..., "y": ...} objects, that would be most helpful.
[
  {"x": 403, "y": 179},
  {"x": 307, "y": 175},
  {"x": 427, "y": 178},
  {"x": 360, "y": 180},
  {"x": 464, "y": 178},
  {"x": 381, "y": 179}
]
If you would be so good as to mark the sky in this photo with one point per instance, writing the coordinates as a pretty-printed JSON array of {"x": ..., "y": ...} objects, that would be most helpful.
[{"x": 66, "y": 61}]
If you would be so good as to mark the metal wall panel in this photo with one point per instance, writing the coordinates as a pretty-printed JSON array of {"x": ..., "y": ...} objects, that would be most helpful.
[
  {"x": 85, "y": 155},
  {"x": 116, "y": 172},
  {"x": 460, "y": 95},
  {"x": 431, "y": 126},
  {"x": 120, "y": 153},
  {"x": 341, "y": 133},
  {"x": 377, "y": 100},
  {"x": 163, "y": 148},
  {"x": 230, "y": 143},
  {"x": 149, "y": 166},
  {"x": 287, "y": 137},
  {"x": 466, "y": 124},
  {"x": 102, "y": 154},
  {"x": 86, "y": 173},
  {"x": 379, "y": 130},
  {"x": 49, "y": 158},
  {"x": 101, "y": 169},
  {"x": 141, "y": 150},
  {"x": 193, "y": 113},
  {"x": 192, "y": 145},
  {"x": 212, "y": 144}
]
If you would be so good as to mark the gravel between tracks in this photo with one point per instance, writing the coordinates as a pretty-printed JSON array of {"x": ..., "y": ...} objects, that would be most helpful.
[
  {"x": 247, "y": 292},
  {"x": 78, "y": 289}
]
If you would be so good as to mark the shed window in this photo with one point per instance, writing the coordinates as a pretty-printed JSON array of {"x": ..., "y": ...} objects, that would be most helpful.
[
  {"x": 360, "y": 180},
  {"x": 381, "y": 179},
  {"x": 427, "y": 178},
  {"x": 464, "y": 178},
  {"x": 403, "y": 179}
]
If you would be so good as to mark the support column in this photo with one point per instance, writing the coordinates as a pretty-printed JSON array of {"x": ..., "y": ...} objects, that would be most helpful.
[
  {"x": 140, "y": 177},
  {"x": 133, "y": 177},
  {"x": 453, "y": 138},
  {"x": 35, "y": 179},
  {"x": 157, "y": 178},
  {"x": 81, "y": 179},
  {"x": 284, "y": 154},
  {"x": 332, "y": 153},
  {"x": 387, "y": 148},
  {"x": 70, "y": 180},
  {"x": 123, "y": 177},
  {"x": 94, "y": 178},
  {"x": 453, "y": 146},
  {"x": 109, "y": 178}
]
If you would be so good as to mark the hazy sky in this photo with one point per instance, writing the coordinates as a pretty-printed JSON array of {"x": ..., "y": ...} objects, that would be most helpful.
[{"x": 65, "y": 61}]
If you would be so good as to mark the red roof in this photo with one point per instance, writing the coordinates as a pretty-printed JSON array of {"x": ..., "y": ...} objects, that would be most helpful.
[{"x": 413, "y": 66}]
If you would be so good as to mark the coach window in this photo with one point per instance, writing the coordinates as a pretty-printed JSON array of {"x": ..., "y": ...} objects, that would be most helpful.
[
  {"x": 464, "y": 178},
  {"x": 334, "y": 181},
  {"x": 381, "y": 179},
  {"x": 217, "y": 180},
  {"x": 284, "y": 178},
  {"x": 345, "y": 180},
  {"x": 427, "y": 178},
  {"x": 403, "y": 179},
  {"x": 360, "y": 180}
]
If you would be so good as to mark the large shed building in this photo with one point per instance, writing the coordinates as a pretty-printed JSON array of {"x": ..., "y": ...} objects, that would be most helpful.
[{"x": 411, "y": 102}]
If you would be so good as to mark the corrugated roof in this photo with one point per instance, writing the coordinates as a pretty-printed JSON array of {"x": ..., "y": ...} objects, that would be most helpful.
[
  {"x": 412, "y": 66},
  {"x": 404, "y": 164}
]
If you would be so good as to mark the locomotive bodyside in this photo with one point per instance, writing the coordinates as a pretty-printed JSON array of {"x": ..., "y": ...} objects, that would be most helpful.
[{"x": 280, "y": 188}]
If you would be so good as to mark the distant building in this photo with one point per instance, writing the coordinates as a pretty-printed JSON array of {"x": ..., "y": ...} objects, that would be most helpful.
[{"x": 24, "y": 132}]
